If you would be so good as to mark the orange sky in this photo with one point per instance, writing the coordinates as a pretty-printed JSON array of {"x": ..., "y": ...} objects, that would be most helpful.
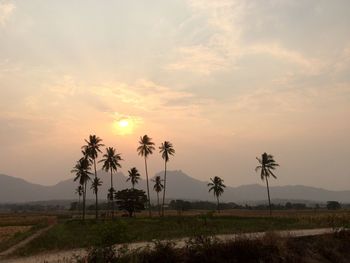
[{"x": 224, "y": 81}]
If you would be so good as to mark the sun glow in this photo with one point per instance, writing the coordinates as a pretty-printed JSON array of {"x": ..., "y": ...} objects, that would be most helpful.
[
  {"x": 124, "y": 126},
  {"x": 123, "y": 123}
]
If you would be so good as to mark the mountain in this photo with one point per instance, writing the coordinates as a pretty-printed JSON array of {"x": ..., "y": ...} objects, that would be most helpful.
[{"x": 179, "y": 186}]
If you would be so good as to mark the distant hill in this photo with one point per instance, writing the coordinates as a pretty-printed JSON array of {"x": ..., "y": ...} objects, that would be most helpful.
[{"x": 179, "y": 186}]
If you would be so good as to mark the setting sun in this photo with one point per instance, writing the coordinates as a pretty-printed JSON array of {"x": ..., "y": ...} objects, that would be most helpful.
[
  {"x": 124, "y": 126},
  {"x": 123, "y": 123}
]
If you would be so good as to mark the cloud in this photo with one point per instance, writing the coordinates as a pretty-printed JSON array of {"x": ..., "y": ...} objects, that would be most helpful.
[
  {"x": 199, "y": 59},
  {"x": 227, "y": 23},
  {"x": 6, "y": 10}
]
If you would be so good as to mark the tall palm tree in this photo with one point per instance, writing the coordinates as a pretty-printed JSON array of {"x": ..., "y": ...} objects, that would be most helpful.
[
  {"x": 217, "y": 186},
  {"x": 134, "y": 176},
  {"x": 96, "y": 183},
  {"x": 111, "y": 163},
  {"x": 158, "y": 187},
  {"x": 92, "y": 148},
  {"x": 82, "y": 173},
  {"x": 166, "y": 149},
  {"x": 266, "y": 165},
  {"x": 79, "y": 191},
  {"x": 145, "y": 149}
]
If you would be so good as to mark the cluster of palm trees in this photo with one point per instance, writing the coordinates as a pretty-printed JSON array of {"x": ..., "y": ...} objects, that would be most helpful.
[
  {"x": 266, "y": 166},
  {"x": 111, "y": 162}
]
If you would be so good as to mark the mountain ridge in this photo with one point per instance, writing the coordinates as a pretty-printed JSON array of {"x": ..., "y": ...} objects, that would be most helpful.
[{"x": 179, "y": 186}]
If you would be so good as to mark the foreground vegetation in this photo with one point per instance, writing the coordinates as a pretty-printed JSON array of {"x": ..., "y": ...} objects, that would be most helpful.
[
  {"x": 76, "y": 234},
  {"x": 271, "y": 248}
]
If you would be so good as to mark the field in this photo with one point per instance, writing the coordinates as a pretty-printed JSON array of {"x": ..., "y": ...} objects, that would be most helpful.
[
  {"x": 15, "y": 228},
  {"x": 69, "y": 234}
]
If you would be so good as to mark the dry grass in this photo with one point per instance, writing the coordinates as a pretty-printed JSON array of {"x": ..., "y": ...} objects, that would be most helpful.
[
  {"x": 25, "y": 219},
  {"x": 6, "y": 232}
]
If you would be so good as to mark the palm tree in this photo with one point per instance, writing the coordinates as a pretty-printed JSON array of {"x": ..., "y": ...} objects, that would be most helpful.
[
  {"x": 166, "y": 149},
  {"x": 82, "y": 173},
  {"x": 158, "y": 187},
  {"x": 96, "y": 183},
  {"x": 145, "y": 149},
  {"x": 266, "y": 165},
  {"x": 217, "y": 186},
  {"x": 134, "y": 176},
  {"x": 79, "y": 191},
  {"x": 111, "y": 163},
  {"x": 92, "y": 148}
]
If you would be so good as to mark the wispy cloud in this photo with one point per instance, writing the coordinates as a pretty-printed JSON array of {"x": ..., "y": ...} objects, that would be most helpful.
[{"x": 6, "y": 10}]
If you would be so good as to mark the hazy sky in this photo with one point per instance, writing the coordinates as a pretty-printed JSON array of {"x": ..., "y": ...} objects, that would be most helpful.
[{"x": 224, "y": 81}]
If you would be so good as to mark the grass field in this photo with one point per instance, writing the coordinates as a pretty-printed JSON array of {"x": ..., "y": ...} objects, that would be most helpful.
[
  {"x": 70, "y": 234},
  {"x": 15, "y": 228}
]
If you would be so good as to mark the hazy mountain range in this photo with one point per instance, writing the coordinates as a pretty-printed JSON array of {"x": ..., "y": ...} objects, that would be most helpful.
[{"x": 179, "y": 186}]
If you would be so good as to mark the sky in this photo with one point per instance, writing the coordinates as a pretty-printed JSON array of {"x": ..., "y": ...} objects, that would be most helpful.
[{"x": 224, "y": 81}]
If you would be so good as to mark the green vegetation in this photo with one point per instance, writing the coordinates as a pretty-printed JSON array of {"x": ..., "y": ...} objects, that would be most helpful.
[
  {"x": 75, "y": 234},
  {"x": 271, "y": 248}
]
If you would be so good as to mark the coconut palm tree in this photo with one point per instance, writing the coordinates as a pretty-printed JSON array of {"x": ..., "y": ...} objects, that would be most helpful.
[
  {"x": 111, "y": 163},
  {"x": 82, "y": 173},
  {"x": 146, "y": 148},
  {"x": 134, "y": 176},
  {"x": 166, "y": 149},
  {"x": 79, "y": 191},
  {"x": 217, "y": 186},
  {"x": 92, "y": 148},
  {"x": 96, "y": 183},
  {"x": 158, "y": 187},
  {"x": 266, "y": 165}
]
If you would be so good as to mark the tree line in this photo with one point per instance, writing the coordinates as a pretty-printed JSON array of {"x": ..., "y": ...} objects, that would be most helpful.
[{"x": 132, "y": 199}]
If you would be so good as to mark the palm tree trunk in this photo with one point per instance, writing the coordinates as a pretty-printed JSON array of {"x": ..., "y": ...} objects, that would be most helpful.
[
  {"x": 149, "y": 201},
  {"x": 268, "y": 194},
  {"x": 164, "y": 188},
  {"x": 96, "y": 203},
  {"x": 111, "y": 198},
  {"x": 84, "y": 201},
  {"x": 79, "y": 205},
  {"x": 158, "y": 203},
  {"x": 217, "y": 198}
]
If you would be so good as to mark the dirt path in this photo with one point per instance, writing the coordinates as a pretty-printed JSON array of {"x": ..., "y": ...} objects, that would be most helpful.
[
  {"x": 24, "y": 242},
  {"x": 65, "y": 256}
]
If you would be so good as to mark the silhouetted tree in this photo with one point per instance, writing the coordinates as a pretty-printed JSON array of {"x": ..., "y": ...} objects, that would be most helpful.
[
  {"x": 266, "y": 165},
  {"x": 96, "y": 183},
  {"x": 333, "y": 205},
  {"x": 131, "y": 200},
  {"x": 166, "y": 149},
  {"x": 217, "y": 186},
  {"x": 134, "y": 176},
  {"x": 158, "y": 187},
  {"x": 111, "y": 163},
  {"x": 146, "y": 148},
  {"x": 79, "y": 191},
  {"x": 92, "y": 148},
  {"x": 82, "y": 173}
]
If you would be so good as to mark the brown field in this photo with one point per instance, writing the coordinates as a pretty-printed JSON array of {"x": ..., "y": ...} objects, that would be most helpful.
[
  {"x": 25, "y": 219},
  {"x": 6, "y": 232}
]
